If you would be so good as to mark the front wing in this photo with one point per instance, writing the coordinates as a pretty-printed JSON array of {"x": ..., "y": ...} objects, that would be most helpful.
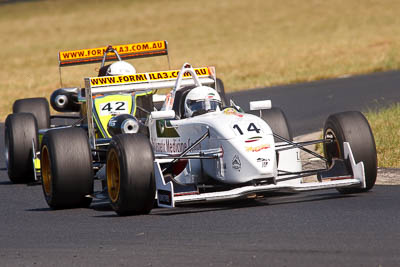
[{"x": 167, "y": 197}]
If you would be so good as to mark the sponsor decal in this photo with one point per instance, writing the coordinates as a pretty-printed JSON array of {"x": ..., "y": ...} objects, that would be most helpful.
[
  {"x": 173, "y": 74},
  {"x": 232, "y": 111},
  {"x": 236, "y": 164},
  {"x": 264, "y": 162},
  {"x": 145, "y": 77},
  {"x": 101, "y": 81},
  {"x": 253, "y": 139},
  {"x": 121, "y": 49},
  {"x": 169, "y": 145},
  {"x": 257, "y": 148}
]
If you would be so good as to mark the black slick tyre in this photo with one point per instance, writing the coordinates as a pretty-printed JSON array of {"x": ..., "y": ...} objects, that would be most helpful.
[
  {"x": 130, "y": 174},
  {"x": 277, "y": 120},
  {"x": 66, "y": 164},
  {"x": 20, "y": 131},
  {"x": 352, "y": 127},
  {"x": 38, "y": 106}
]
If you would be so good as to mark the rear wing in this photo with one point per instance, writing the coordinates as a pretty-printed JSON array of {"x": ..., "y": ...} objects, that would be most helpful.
[
  {"x": 146, "y": 81},
  {"x": 127, "y": 51},
  {"x": 141, "y": 82}
]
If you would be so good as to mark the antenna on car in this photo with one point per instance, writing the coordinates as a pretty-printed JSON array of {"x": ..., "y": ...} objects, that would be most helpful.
[
  {"x": 108, "y": 50},
  {"x": 59, "y": 71}
]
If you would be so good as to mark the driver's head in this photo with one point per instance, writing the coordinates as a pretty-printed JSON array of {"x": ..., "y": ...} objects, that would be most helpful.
[
  {"x": 200, "y": 100},
  {"x": 120, "y": 68}
]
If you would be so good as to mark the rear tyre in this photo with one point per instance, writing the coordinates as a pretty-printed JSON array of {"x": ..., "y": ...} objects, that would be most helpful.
[
  {"x": 130, "y": 174},
  {"x": 277, "y": 120},
  {"x": 38, "y": 106},
  {"x": 20, "y": 131},
  {"x": 354, "y": 128},
  {"x": 67, "y": 173}
]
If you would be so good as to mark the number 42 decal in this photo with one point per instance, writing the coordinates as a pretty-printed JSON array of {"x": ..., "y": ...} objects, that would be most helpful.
[
  {"x": 113, "y": 107},
  {"x": 250, "y": 128}
]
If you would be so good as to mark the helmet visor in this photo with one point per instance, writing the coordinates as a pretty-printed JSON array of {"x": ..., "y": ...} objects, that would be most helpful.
[{"x": 197, "y": 105}]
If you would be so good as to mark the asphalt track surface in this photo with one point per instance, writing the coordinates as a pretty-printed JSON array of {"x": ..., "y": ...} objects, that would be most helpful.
[{"x": 321, "y": 228}]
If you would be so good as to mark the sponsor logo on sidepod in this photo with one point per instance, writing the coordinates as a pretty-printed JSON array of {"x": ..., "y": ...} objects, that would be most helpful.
[
  {"x": 253, "y": 139},
  {"x": 232, "y": 111},
  {"x": 257, "y": 148},
  {"x": 264, "y": 162},
  {"x": 236, "y": 164}
]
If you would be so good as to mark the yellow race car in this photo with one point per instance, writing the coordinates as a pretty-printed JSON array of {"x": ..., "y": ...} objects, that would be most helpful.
[{"x": 31, "y": 117}]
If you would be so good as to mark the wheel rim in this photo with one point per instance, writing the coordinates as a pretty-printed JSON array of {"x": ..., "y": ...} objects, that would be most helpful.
[
  {"x": 332, "y": 150},
  {"x": 46, "y": 171},
  {"x": 113, "y": 175}
]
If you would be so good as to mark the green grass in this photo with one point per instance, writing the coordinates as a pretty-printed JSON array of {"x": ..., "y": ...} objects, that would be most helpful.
[{"x": 385, "y": 125}]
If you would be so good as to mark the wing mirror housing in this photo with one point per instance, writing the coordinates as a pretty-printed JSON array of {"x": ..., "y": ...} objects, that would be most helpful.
[
  {"x": 163, "y": 115},
  {"x": 260, "y": 105}
]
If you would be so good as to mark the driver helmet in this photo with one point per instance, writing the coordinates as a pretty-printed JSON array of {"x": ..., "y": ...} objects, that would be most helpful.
[
  {"x": 120, "y": 68},
  {"x": 200, "y": 100}
]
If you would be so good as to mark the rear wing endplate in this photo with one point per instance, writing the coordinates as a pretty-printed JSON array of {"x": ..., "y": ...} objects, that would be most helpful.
[{"x": 128, "y": 51}]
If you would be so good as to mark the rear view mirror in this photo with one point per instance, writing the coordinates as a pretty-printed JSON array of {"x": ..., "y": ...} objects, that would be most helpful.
[
  {"x": 259, "y": 105},
  {"x": 163, "y": 115}
]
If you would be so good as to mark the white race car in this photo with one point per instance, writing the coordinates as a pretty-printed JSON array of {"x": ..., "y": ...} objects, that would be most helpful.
[
  {"x": 223, "y": 153},
  {"x": 198, "y": 150}
]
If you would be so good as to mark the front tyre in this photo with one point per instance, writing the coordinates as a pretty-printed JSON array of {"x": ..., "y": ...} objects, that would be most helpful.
[
  {"x": 66, "y": 164},
  {"x": 352, "y": 127},
  {"x": 130, "y": 174}
]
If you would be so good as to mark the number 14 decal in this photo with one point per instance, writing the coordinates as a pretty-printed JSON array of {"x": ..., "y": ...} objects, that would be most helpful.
[{"x": 252, "y": 127}]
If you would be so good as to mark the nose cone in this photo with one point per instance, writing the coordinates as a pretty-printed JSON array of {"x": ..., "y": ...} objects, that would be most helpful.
[
  {"x": 130, "y": 126},
  {"x": 121, "y": 124},
  {"x": 61, "y": 101}
]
